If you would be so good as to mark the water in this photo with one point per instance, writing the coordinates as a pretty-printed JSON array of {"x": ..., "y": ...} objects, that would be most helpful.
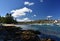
[{"x": 52, "y": 30}]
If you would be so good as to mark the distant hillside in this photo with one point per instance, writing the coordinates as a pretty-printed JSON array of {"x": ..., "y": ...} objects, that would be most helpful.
[{"x": 39, "y": 21}]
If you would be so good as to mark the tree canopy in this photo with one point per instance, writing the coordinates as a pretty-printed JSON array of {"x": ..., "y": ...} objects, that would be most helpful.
[{"x": 7, "y": 19}]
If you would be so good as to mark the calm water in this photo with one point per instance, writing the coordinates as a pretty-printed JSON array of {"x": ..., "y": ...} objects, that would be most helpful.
[{"x": 52, "y": 30}]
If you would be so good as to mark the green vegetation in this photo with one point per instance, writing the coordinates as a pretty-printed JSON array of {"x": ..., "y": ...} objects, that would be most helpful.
[{"x": 7, "y": 19}]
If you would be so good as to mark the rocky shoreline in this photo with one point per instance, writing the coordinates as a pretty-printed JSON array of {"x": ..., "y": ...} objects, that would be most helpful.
[{"x": 16, "y": 34}]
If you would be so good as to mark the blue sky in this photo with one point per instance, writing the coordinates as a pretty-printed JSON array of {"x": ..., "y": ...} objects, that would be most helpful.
[{"x": 25, "y": 10}]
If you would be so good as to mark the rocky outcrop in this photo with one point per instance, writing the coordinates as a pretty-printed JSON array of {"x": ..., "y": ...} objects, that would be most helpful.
[{"x": 16, "y": 34}]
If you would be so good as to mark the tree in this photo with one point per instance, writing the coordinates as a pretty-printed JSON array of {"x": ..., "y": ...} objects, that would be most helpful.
[
  {"x": 9, "y": 19},
  {"x": 0, "y": 19}
]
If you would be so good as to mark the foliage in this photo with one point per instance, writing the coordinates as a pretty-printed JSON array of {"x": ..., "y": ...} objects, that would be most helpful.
[{"x": 7, "y": 19}]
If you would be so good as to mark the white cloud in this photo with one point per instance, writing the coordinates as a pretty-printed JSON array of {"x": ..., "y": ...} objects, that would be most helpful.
[
  {"x": 3, "y": 16},
  {"x": 20, "y": 12},
  {"x": 35, "y": 15},
  {"x": 28, "y": 3},
  {"x": 24, "y": 20},
  {"x": 41, "y": 0},
  {"x": 49, "y": 16}
]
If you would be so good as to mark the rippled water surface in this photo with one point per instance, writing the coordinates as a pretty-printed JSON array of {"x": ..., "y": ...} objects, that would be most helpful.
[
  {"x": 46, "y": 29},
  {"x": 52, "y": 31}
]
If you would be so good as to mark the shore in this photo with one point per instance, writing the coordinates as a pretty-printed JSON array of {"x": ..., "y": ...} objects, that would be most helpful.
[{"x": 15, "y": 34}]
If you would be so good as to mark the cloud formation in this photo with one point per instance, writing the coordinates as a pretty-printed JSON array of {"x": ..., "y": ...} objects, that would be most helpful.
[
  {"x": 41, "y": 0},
  {"x": 49, "y": 16},
  {"x": 20, "y": 12},
  {"x": 24, "y": 20},
  {"x": 28, "y": 3},
  {"x": 34, "y": 15}
]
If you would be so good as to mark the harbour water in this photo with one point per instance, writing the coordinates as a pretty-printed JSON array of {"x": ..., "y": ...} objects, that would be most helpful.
[
  {"x": 52, "y": 31},
  {"x": 47, "y": 31}
]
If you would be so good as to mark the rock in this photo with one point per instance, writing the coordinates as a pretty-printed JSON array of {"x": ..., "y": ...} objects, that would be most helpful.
[{"x": 29, "y": 35}]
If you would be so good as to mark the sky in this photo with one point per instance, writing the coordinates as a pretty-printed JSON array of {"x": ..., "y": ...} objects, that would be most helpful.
[{"x": 27, "y": 10}]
